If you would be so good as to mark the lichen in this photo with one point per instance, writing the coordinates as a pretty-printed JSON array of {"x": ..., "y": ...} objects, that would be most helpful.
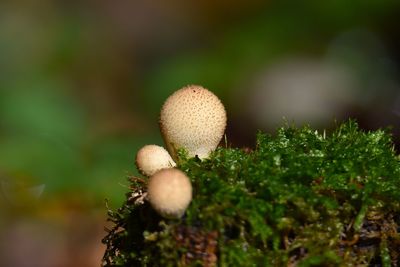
[{"x": 299, "y": 198}]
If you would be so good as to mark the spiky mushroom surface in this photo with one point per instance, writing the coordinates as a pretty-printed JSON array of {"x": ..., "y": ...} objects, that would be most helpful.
[
  {"x": 193, "y": 118},
  {"x": 169, "y": 192},
  {"x": 152, "y": 158}
]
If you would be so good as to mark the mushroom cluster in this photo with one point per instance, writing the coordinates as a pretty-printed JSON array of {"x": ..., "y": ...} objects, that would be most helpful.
[{"x": 194, "y": 119}]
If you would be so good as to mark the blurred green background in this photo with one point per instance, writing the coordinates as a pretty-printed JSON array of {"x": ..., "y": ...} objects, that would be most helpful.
[{"x": 82, "y": 82}]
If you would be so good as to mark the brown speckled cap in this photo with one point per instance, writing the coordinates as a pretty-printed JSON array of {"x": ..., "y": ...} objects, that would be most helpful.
[{"x": 193, "y": 118}]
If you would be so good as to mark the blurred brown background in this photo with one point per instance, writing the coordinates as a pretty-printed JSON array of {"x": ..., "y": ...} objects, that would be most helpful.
[{"x": 82, "y": 82}]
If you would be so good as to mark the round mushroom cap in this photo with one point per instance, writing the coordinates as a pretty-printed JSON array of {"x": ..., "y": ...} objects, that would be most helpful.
[
  {"x": 152, "y": 158},
  {"x": 193, "y": 118},
  {"x": 169, "y": 192}
]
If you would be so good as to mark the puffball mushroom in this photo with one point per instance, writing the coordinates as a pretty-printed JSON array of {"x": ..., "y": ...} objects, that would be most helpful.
[
  {"x": 192, "y": 118},
  {"x": 152, "y": 158},
  {"x": 169, "y": 192}
]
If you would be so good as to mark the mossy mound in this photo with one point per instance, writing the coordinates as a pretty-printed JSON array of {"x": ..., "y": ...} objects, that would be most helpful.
[{"x": 300, "y": 198}]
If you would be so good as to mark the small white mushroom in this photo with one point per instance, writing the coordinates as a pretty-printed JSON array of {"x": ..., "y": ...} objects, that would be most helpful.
[
  {"x": 193, "y": 118},
  {"x": 169, "y": 192},
  {"x": 152, "y": 158}
]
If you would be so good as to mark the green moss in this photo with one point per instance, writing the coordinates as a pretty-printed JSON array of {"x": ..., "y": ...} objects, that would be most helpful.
[{"x": 299, "y": 198}]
